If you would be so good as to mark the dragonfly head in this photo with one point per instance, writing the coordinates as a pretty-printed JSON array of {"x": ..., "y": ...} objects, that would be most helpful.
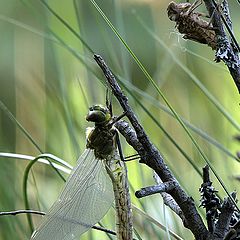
[{"x": 98, "y": 114}]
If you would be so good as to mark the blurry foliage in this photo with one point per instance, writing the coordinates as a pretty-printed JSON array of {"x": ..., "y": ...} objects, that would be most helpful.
[{"x": 48, "y": 79}]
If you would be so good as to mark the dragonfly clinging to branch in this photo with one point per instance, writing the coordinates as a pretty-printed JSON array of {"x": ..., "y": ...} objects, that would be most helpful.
[{"x": 87, "y": 194}]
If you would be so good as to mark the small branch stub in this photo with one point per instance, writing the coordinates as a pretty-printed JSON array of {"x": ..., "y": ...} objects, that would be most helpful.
[{"x": 162, "y": 187}]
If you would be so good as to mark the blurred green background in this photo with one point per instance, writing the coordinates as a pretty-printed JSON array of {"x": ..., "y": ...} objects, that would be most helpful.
[{"x": 48, "y": 79}]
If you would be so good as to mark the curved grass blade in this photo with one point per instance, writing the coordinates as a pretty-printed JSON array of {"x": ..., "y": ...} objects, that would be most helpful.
[{"x": 62, "y": 165}]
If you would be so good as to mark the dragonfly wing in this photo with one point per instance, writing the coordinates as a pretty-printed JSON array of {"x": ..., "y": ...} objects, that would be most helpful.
[{"x": 84, "y": 200}]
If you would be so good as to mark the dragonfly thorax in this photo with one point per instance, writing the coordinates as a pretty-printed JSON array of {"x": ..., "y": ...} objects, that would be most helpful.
[{"x": 102, "y": 140}]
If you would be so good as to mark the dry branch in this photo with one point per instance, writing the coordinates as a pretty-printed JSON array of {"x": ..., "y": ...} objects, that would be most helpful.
[{"x": 153, "y": 158}]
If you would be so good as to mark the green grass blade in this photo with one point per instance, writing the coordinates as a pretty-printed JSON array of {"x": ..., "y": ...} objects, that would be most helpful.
[
  {"x": 167, "y": 134},
  {"x": 155, "y": 222},
  {"x": 67, "y": 26},
  {"x": 192, "y": 76},
  {"x": 15, "y": 121}
]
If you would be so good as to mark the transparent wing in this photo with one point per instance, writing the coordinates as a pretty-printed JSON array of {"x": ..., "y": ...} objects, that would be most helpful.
[{"x": 84, "y": 200}]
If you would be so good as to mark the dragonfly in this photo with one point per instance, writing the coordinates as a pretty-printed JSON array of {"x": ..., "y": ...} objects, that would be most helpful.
[{"x": 87, "y": 194}]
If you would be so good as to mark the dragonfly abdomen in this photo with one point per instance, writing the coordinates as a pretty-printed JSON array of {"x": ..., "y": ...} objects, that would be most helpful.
[{"x": 118, "y": 173}]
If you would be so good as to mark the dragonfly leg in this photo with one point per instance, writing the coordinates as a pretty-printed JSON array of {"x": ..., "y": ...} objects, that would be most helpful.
[
  {"x": 117, "y": 118},
  {"x": 125, "y": 159},
  {"x": 120, "y": 117},
  {"x": 195, "y": 5},
  {"x": 119, "y": 146},
  {"x": 132, "y": 157},
  {"x": 109, "y": 101},
  {"x": 211, "y": 19}
]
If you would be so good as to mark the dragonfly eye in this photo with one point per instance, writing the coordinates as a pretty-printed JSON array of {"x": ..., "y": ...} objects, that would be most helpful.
[
  {"x": 98, "y": 114},
  {"x": 99, "y": 108}
]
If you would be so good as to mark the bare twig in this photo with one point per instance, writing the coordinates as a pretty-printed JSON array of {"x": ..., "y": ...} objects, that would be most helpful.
[
  {"x": 222, "y": 219},
  {"x": 152, "y": 157},
  {"x": 131, "y": 137},
  {"x": 171, "y": 203},
  {"x": 209, "y": 200}
]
